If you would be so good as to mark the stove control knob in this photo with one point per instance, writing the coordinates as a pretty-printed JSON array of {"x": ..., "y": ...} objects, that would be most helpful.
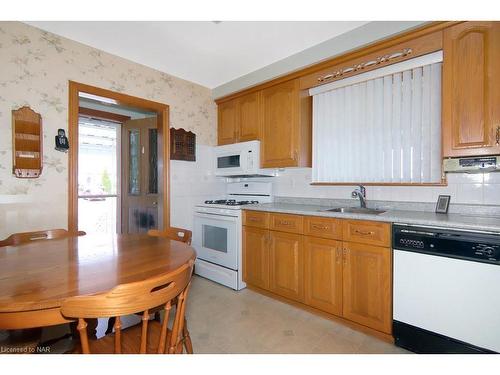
[{"x": 488, "y": 250}]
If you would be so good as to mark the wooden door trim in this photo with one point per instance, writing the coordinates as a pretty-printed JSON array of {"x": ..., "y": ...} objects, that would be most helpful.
[{"x": 162, "y": 111}]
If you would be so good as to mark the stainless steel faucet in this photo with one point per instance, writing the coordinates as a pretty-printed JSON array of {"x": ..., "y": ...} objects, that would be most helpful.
[{"x": 360, "y": 193}]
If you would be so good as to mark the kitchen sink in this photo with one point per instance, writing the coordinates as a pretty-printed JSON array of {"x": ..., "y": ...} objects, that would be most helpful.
[{"x": 355, "y": 210}]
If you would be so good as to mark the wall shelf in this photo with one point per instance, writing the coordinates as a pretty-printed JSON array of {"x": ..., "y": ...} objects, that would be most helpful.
[{"x": 27, "y": 143}]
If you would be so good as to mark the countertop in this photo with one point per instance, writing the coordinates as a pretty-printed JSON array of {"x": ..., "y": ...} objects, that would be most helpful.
[{"x": 456, "y": 221}]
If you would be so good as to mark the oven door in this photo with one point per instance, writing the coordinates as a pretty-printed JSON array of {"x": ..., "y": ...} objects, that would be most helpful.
[{"x": 215, "y": 238}]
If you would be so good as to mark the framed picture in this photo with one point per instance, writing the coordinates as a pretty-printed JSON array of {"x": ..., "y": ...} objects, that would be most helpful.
[{"x": 442, "y": 204}]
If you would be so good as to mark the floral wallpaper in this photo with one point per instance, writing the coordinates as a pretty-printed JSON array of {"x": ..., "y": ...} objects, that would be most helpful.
[{"x": 35, "y": 67}]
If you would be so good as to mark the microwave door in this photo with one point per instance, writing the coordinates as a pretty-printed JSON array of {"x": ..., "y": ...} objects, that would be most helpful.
[{"x": 230, "y": 163}]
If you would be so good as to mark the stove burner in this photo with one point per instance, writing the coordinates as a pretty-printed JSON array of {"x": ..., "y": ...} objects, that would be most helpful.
[{"x": 230, "y": 202}]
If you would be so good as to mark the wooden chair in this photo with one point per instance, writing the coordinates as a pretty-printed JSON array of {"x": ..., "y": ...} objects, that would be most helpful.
[
  {"x": 177, "y": 234},
  {"x": 23, "y": 340},
  {"x": 132, "y": 298},
  {"x": 25, "y": 237}
]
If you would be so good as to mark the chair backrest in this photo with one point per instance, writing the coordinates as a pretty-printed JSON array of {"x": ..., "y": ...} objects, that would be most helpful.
[
  {"x": 173, "y": 233},
  {"x": 136, "y": 297},
  {"x": 25, "y": 237}
]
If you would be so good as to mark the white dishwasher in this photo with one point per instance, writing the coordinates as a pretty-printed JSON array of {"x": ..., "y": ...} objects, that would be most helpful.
[{"x": 446, "y": 290}]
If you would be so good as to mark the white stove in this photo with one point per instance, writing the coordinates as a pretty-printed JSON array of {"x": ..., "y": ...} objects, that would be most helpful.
[{"x": 217, "y": 232}]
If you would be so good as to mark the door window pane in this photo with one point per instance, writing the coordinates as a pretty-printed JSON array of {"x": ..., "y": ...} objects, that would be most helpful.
[
  {"x": 215, "y": 238},
  {"x": 134, "y": 162},
  {"x": 153, "y": 162}
]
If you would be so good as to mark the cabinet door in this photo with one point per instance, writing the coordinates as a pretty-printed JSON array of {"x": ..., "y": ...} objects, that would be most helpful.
[
  {"x": 280, "y": 125},
  {"x": 367, "y": 285},
  {"x": 248, "y": 117},
  {"x": 287, "y": 265},
  {"x": 256, "y": 257},
  {"x": 471, "y": 89},
  {"x": 323, "y": 274},
  {"x": 227, "y": 122}
]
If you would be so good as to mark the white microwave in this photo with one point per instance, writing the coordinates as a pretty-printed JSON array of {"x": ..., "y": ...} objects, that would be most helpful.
[{"x": 240, "y": 160}]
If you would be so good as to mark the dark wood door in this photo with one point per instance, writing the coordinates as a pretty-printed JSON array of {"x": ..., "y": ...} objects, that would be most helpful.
[{"x": 139, "y": 176}]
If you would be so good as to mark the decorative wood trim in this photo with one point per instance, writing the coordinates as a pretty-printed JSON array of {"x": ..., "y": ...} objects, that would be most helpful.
[
  {"x": 102, "y": 115},
  {"x": 342, "y": 59},
  {"x": 372, "y": 63},
  {"x": 162, "y": 111}
]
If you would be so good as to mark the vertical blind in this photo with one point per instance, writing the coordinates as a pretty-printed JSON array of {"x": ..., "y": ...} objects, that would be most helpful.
[{"x": 380, "y": 126}]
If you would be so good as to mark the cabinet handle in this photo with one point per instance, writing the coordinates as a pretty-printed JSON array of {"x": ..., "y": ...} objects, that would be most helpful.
[
  {"x": 284, "y": 222},
  {"x": 498, "y": 135},
  {"x": 318, "y": 226},
  {"x": 295, "y": 155},
  {"x": 344, "y": 256},
  {"x": 253, "y": 219},
  {"x": 363, "y": 233}
]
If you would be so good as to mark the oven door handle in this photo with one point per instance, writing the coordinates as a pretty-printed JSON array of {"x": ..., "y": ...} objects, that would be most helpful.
[{"x": 233, "y": 219}]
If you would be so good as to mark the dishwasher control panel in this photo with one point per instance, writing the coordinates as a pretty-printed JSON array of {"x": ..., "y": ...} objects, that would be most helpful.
[{"x": 469, "y": 245}]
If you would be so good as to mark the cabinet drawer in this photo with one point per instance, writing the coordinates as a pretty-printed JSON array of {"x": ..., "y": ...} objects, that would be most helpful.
[
  {"x": 256, "y": 219},
  {"x": 323, "y": 227},
  {"x": 368, "y": 232},
  {"x": 287, "y": 223}
]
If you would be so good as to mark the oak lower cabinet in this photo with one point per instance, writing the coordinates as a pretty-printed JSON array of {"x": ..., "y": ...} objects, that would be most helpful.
[
  {"x": 286, "y": 260},
  {"x": 341, "y": 267},
  {"x": 323, "y": 274},
  {"x": 367, "y": 281},
  {"x": 256, "y": 256},
  {"x": 471, "y": 89}
]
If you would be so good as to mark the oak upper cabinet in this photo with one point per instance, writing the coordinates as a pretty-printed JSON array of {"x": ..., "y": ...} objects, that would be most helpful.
[
  {"x": 239, "y": 119},
  {"x": 256, "y": 256},
  {"x": 367, "y": 281},
  {"x": 249, "y": 117},
  {"x": 286, "y": 256},
  {"x": 471, "y": 89},
  {"x": 323, "y": 274},
  {"x": 286, "y": 126},
  {"x": 227, "y": 122}
]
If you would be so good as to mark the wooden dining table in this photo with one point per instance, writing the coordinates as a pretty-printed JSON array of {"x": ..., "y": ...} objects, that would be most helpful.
[{"x": 35, "y": 278}]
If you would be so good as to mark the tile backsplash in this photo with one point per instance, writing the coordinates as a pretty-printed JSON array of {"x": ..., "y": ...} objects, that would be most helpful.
[
  {"x": 192, "y": 183},
  {"x": 481, "y": 188}
]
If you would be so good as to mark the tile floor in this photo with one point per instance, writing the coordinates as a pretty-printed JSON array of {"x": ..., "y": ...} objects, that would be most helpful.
[{"x": 222, "y": 320}]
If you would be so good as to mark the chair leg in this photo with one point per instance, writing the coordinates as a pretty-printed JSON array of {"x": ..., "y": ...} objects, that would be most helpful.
[
  {"x": 111, "y": 323},
  {"x": 187, "y": 339}
]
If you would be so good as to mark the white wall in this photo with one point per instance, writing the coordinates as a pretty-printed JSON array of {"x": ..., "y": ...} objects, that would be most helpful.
[{"x": 463, "y": 188}]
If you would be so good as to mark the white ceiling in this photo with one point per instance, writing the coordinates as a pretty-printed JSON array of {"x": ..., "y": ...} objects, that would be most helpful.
[{"x": 207, "y": 53}]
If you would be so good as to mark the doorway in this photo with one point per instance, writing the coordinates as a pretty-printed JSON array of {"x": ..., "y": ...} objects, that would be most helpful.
[{"x": 118, "y": 162}]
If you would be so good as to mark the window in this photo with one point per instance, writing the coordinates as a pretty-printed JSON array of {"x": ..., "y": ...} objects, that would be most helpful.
[{"x": 382, "y": 126}]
